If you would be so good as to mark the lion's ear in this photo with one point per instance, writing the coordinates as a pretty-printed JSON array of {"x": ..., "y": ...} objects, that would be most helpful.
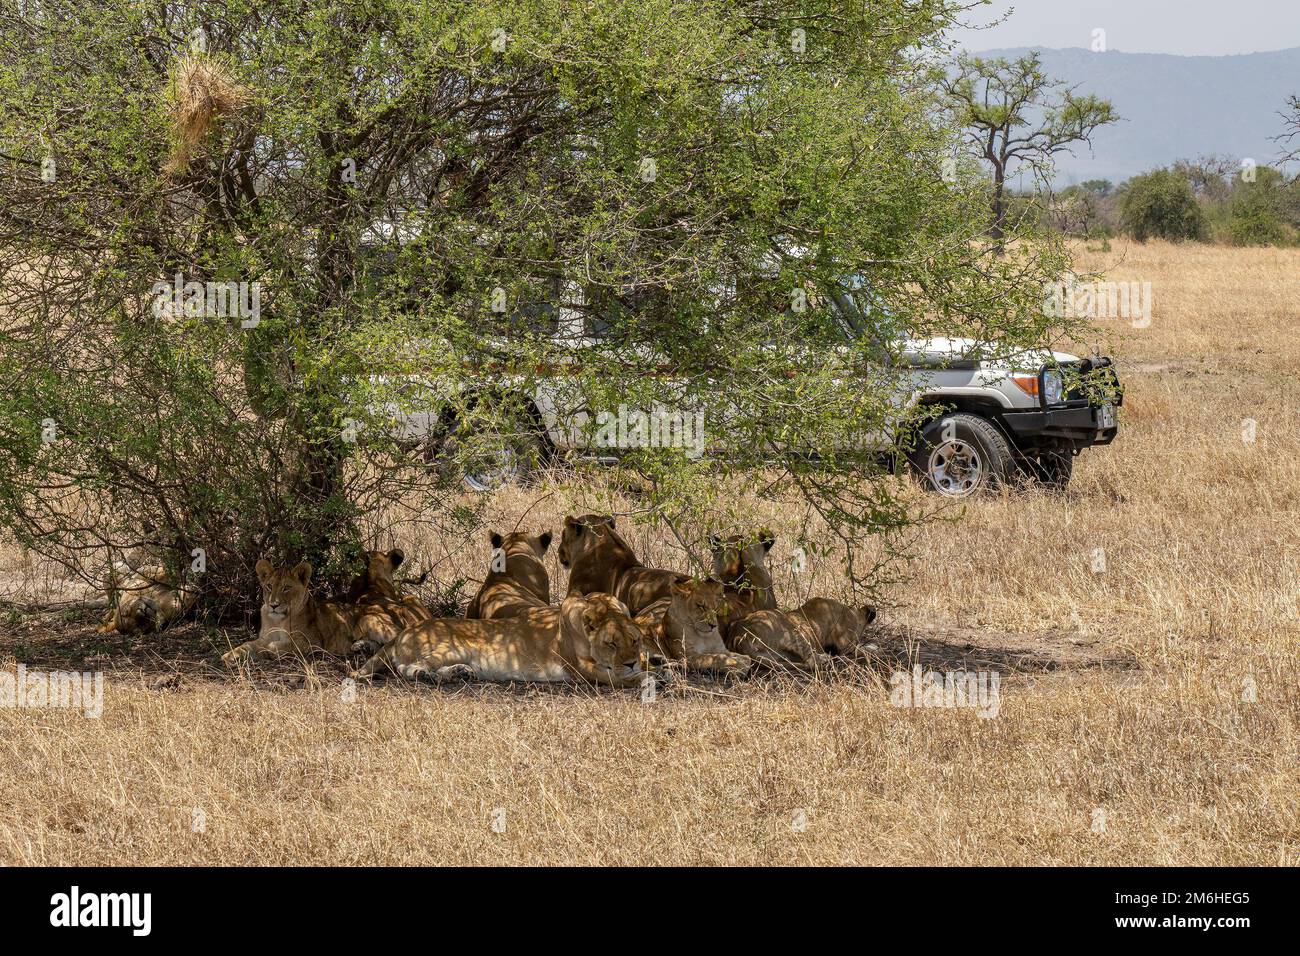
[
  {"x": 397, "y": 556},
  {"x": 263, "y": 569},
  {"x": 607, "y": 519},
  {"x": 590, "y": 618},
  {"x": 544, "y": 539},
  {"x": 766, "y": 538},
  {"x": 869, "y": 612},
  {"x": 715, "y": 542},
  {"x": 302, "y": 571},
  {"x": 684, "y": 588},
  {"x": 496, "y": 539},
  {"x": 570, "y": 521}
]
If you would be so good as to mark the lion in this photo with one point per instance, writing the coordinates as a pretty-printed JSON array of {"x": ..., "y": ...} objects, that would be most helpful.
[
  {"x": 521, "y": 584},
  {"x": 587, "y": 638},
  {"x": 740, "y": 563},
  {"x": 685, "y": 628},
  {"x": 806, "y": 637},
  {"x": 295, "y": 622},
  {"x": 148, "y": 600},
  {"x": 377, "y": 581},
  {"x": 600, "y": 561}
]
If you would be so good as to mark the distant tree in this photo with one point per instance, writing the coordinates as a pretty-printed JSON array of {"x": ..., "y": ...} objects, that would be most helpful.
[
  {"x": 1257, "y": 210},
  {"x": 1209, "y": 176},
  {"x": 1075, "y": 210},
  {"x": 1292, "y": 133},
  {"x": 1014, "y": 115},
  {"x": 1161, "y": 205},
  {"x": 1097, "y": 187}
]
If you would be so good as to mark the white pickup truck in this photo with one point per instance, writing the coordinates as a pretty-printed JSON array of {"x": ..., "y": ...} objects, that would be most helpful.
[
  {"x": 995, "y": 420},
  {"x": 985, "y": 422}
]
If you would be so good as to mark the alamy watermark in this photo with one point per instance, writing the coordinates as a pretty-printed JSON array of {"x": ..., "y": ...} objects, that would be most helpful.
[
  {"x": 658, "y": 428},
  {"x": 130, "y": 910},
  {"x": 40, "y": 690},
  {"x": 212, "y": 300},
  {"x": 1072, "y": 299},
  {"x": 978, "y": 690}
]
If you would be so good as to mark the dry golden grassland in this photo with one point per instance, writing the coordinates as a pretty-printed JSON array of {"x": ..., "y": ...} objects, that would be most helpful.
[{"x": 1148, "y": 713}]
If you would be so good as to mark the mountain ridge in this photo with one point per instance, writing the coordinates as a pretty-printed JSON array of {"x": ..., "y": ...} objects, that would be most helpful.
[{"x": 1173, "y": 106}]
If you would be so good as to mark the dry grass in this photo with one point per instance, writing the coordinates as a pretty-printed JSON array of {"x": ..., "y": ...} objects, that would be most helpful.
[
  {"x": 1200, "y": 590},
  {"x": 201, "y": 94}
]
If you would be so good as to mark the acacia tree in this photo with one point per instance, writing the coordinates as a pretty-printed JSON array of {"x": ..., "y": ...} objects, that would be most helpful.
[
  {"x": 1013, "y": 115},
  {"x": 1291, "y": 129},
  {"x": 409, "y": 189}
]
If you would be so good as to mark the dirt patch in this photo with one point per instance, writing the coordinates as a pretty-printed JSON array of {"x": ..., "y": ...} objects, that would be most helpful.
[
  {"x": 943, "y": 648},
  {"x": 68, "y": 638}
]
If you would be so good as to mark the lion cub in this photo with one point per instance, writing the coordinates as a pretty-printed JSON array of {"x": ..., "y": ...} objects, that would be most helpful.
[
  {"x": 587, "y": 638},
  {"x": 519, "y": 586},
  {"x": 685, "y": 628},
  {"x": 805, "y": 637},
  {"x": 740, "y": 563},
  {"x": 599, "y": 560},
  {"x": 295, "y": 622},
  {"x": 377, "y": 581},
  {"x": 148, "y": 597}
]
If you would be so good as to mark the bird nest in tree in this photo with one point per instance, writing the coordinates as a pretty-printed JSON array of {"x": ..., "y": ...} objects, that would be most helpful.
[{"x": 203, "y": 91}]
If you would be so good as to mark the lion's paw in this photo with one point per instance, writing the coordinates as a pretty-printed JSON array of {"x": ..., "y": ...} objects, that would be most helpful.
[
  {"x": 455, "y": 672},
  {"x": 235, "y": 656}
]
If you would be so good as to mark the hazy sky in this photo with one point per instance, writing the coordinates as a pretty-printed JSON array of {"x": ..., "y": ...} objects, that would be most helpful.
[{"x": 1186, "y": 27}]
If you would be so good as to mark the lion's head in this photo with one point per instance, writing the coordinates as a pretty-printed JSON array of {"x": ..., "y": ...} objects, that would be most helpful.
[
  {"x": 382, "y": 565},
  {"x": 847, "y": 631},
  {"x": 741, "y": 561},
  {"x": 608, "y": 639},
  {"x": 284, "y": 590},
  {"x": 521, "y": 542},
  {"x": 376, "y": 575},
  {"x": 696, "y": 605},
  {"x": 580, "y": 535}
]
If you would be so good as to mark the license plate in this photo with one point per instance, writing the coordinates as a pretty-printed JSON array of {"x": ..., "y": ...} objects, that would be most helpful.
[{"x": 1106, "y": 416}]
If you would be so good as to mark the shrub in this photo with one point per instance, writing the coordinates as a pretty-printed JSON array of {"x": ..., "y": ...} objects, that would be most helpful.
[{"x": 1161, "y": 205}]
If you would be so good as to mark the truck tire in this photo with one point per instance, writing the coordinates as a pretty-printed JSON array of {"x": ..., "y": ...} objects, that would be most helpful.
[
  {"x": 492, "y": 461},
  {"x": 961, "y": 454}
]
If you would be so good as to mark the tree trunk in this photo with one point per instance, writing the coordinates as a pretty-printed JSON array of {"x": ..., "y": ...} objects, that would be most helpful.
[{"x": 999, "y": 207}]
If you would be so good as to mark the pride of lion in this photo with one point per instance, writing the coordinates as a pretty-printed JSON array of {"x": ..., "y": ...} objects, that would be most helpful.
[{"x": 618, "y": 624}]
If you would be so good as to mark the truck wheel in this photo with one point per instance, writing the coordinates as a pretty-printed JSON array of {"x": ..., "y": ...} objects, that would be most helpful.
[
  {"x": 492, "y": 461},
  {"x": 962, "y": 455}
]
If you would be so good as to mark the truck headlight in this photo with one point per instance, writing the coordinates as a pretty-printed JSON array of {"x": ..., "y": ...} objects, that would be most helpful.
[{"x": 1053, "y": 387}]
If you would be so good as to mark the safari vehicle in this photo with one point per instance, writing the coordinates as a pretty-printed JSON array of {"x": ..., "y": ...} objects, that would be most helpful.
[
  {"x": 997, "y": 420},
  {"x": 985, "y": 422}
]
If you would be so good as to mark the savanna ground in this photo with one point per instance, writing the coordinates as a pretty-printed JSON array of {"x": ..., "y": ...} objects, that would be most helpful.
[{"x": 1149, "y": 713}]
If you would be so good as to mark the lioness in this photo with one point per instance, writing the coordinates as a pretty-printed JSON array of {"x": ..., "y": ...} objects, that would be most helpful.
[
  {"x": 587, "y": 638},
  {"x": 521, "y": 585},
  {"x": 600, "y": 561},
  {"x": 147, "y": 601},
  {"x": 740, "y": 562},
  {"x": 295, "y": 622},
  {"x": 377, "y": 581},
  {"x": 805, "y": 637},
  {"x": 685, "y": 628},
  {"x": 376, "y": 584}
]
